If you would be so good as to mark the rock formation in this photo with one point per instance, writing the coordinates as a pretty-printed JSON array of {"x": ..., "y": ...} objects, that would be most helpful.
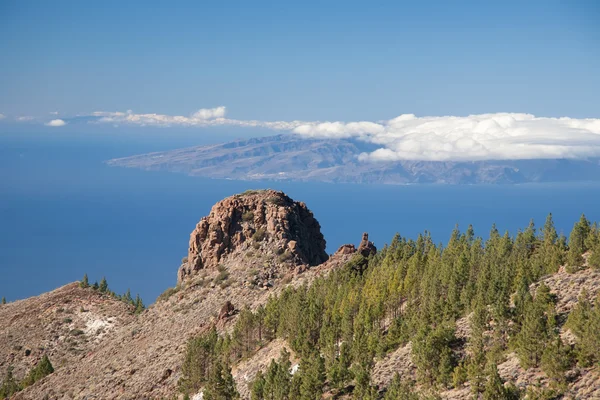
[
  {"x": 366, "y": 248},
  {"x": 255, "y": 218},
  {"x": 226, "y": 311}
]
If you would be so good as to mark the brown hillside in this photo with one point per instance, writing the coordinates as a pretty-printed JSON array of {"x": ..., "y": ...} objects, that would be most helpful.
[{"x": 126, "y": 356}]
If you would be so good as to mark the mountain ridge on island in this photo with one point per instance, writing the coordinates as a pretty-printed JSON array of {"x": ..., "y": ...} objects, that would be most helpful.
[{"x": 289, "y": 157}]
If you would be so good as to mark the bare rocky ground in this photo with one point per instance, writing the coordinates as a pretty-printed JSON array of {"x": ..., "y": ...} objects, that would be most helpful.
[
  {"x": 101, "y": 350},
  {"x": 67, "y": 324}
]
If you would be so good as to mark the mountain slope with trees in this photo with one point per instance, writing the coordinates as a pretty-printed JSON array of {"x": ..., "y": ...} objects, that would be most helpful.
[
  {"x": 502, "y": 318},
  {"x": 416, "y": 292}
]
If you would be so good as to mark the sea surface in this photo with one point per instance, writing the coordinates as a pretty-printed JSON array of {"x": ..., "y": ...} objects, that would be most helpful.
[{"x": 64, "y": 213}]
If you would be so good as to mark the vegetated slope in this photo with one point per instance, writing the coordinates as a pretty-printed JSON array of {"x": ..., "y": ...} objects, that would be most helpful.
[
  {"x": 502, "y": 318},
  {"x": 143, "y": 355},
  {"x": 292, "y": 157}
]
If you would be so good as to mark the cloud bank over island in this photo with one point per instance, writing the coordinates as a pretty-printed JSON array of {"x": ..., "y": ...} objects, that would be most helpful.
[
  {"x": 497, "y": 136},
  {"x": 501, "y": 136}
]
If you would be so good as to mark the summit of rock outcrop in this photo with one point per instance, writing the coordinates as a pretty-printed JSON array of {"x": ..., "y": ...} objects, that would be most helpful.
[
  {"x": 366, "y": 248},
  {"x": 258, "y": 220}
]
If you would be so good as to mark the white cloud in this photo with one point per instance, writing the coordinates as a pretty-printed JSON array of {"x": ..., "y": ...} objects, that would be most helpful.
[
  {"x": 499, "y": 136},
  {"x": 339, "y": 129},
  {"x": 202, "y": 117},
  {"x": 56, "y": 122},
  {"x": 24, "y": 118},
  {"x": 2, "y": 116},
  {"x": 209, "y": 113}
]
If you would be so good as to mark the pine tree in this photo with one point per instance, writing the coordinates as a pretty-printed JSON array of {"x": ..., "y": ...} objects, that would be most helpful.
[
  {"x": 551, "y": 253},
  {"x": 313, "y": 377},
  {"x": 594, "y": 259},
  {"x": 577, "y": 243},
  {"x": 295, "y": 387},
  {"x": 362, "y": 379},
  {"x": 41, "y": 370},
  {"x": 200, "y": 356},
  {"x": 220, "y": 384},
  {"x": 531, "y": 339},
  {"x": 593, "y": 237},
  {"x": 139, "y": 305},
  {"x": 257, "y": 391},
  {"x": 103, "y": 286},
  {"x": 127, "y": 298},
  {"x": 3, "y": 300},
  {"x": 339, "y": 372},
  {"x": 556, "y": 360},
  {"x": 477, "y": 348},
  {"x": 277, "y": 379},
  {"x": 584, "y": 322},
  {"x": 84, "y": 282},
  {"x": 397, "y": 390},
  {"x": 494, "y": 388},
  {"x": 9, "y": 385},
  {"x": 433, "y": 356}
]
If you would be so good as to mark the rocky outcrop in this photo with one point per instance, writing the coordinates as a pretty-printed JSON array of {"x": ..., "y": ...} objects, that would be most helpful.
[
  {"x": 227, "y": 310},
  {"x": 255, "y": 218},
  {"x": 366, "y": 248},
  {"x": 349, "y": 254}
]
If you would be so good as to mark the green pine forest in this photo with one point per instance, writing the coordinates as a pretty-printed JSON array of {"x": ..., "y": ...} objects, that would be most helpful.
[{"x": 415, "y": 291}]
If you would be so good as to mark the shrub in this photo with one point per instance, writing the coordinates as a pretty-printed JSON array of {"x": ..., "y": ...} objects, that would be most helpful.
[
  {"x": 41, "y": 370},
  {"x": 225, "y": 284},
  {"x": 222, "y": 276},
  {"x": 184, "y": 260},
  {"x": 286, "y": 256},
  {"x": 248, "y": 216},
  {"x": 168, "y": 293},
  {"x": 278, "y": 201},
  {"x": 259, "y": 235},
  {"x": 76, "y": 332},
  {"x": 251, "y": 191},
  {"x": 9, "y": 385}
]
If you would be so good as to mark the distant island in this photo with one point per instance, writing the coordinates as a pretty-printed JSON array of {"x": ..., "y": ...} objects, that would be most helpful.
[{"x": 289, "y": 157}]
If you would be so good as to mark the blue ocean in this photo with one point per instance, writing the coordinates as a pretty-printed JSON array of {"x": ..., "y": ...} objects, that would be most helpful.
[{"x": 64, "y": 213}]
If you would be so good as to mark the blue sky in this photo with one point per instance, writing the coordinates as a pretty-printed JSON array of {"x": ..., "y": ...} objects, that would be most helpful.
[{"x": 300, "y": 61}]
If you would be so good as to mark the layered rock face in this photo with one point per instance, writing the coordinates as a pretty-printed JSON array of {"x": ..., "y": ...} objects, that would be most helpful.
[{"x": 255, "y": 218}]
